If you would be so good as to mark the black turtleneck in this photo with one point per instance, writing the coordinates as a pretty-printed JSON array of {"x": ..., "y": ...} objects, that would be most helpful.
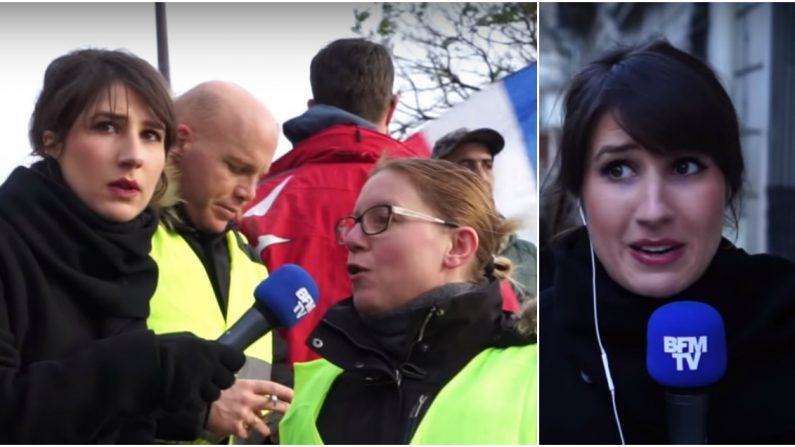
[
  {"x": 74, "y": 295},
  {"x": 213, "y": 251},
  {"x": 391, "y": 361},
  {"x": 755, "y": 296}
]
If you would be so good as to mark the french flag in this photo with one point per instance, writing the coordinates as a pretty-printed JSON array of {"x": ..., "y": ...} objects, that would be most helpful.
[{"x": 509, "y": 107}]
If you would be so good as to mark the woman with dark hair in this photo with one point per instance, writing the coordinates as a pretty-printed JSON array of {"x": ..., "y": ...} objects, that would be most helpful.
[
  {"x": 651, "y": 149},
  {"x": 422, "y": 352},
  {"x": 77, "y": 364}
]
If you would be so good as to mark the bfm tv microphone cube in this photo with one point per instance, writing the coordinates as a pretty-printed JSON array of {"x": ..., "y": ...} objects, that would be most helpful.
[
  {"x": 686, "y": 345},
  {"x": 280, "y": 301},
  {"x": 288, "y": 294}
]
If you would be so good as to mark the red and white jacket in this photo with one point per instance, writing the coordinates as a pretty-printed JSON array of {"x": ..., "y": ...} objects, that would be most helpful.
[{"x": 292, "y": 218}]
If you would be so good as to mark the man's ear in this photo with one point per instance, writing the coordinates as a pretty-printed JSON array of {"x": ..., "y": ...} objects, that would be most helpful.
[
  {"x": 392, "y": 107},
  {"x": 184, "y": 138},
  {"x": 464, "y": 245},
  {"x": 50, "y": 147}
]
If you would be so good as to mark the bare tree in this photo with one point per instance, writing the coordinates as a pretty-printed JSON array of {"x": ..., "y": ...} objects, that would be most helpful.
[{"x": 446, "y": 51}]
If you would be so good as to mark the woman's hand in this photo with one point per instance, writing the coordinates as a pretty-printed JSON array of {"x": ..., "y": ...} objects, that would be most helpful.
[{"x": 242, "y": 407}]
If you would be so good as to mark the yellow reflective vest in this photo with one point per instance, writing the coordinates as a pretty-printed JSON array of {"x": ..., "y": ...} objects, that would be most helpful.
[
  {"x": 185, "y": 299},
  {"x": 493, "y": 400}
]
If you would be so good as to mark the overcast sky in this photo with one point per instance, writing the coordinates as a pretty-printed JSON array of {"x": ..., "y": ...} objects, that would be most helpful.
[{"x": 265, "y": 47}]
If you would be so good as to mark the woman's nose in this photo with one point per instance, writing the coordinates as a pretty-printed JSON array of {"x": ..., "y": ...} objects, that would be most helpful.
[
  {"x": 131, "y": 152},
  {"x": 654, "y": 201},
  {"x": 355, "y": 239}
]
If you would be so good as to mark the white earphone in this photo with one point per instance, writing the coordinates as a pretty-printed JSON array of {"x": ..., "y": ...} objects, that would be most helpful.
[
  {"x": 582, "y": 213},
  {"x": 605, "y": 363}
]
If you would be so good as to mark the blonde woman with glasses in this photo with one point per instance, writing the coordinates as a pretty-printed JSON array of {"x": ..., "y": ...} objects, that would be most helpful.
[{"x": 422, "y": 352}]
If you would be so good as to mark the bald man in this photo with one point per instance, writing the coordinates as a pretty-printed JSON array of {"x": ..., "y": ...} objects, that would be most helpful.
[{"x": 226, "y": 139}]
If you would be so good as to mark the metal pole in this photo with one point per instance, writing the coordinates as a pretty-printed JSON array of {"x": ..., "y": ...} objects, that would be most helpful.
[{"x": 162, "y": 41}]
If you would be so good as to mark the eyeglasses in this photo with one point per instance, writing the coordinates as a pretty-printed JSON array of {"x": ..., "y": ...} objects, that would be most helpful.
[{"x": 376, "y": 220}]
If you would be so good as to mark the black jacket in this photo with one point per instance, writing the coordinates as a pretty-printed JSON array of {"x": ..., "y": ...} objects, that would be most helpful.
[
  {"x": 76, "y": 363},
  {"x": 752, "y": 403},
  {"x": 396, "y": 364}
]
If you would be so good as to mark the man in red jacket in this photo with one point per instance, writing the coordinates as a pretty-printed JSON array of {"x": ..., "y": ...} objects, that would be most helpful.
[{"x": 336, "y": 143}]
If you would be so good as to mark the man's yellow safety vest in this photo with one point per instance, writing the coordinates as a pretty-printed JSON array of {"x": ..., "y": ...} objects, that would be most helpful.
[{"x": 185, "y": 300}]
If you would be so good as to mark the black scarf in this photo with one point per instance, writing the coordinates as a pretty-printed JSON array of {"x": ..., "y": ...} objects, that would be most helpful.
[
  {"x": 106, "y": 264},
  {"x": 755, "y": 295},
  {"x": 459, "y": 320}
]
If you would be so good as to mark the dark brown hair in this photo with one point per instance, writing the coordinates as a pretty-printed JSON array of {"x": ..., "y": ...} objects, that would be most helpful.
[
  {"x": 355, "y": 75},
  {"x": 73, "y": 82},
  {"x": 664, "y": 98}
]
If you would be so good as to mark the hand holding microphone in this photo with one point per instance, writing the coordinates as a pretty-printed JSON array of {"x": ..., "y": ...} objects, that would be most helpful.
[
  {"x": 686, "y": 352},
  {"x": 195, "y": 370}
]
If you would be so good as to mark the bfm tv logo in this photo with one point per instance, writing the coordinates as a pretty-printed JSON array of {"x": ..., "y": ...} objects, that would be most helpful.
[
  {"x": 685, "y": 349},
  {"x": 305, "y": 303}
]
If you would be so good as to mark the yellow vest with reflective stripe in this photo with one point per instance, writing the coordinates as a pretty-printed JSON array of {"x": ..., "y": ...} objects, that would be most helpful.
[
  {"x": 185, "y": 299},
  {"x": 493, "y": 400}
]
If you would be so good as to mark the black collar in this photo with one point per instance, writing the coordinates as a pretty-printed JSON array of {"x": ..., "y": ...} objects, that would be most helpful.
[
  {"x": 183, "y": 226},
  {"x": 420, "y": 342}
]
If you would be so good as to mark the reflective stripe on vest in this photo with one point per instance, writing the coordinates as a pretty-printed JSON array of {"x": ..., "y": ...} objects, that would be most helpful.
[
  {"x": 493, "y": 400},
  {"x": 185, "y": 299}
]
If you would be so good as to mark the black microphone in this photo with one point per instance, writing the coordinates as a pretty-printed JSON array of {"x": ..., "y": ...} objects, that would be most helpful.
[
  {"x": 281, "y": 300},
  {"x": 686, "y": 352}
]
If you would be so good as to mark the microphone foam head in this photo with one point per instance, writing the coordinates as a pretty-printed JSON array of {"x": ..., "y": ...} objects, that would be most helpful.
[
  {"x": 686, "y": 345},
  {"x": 289, "y": 294}
]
